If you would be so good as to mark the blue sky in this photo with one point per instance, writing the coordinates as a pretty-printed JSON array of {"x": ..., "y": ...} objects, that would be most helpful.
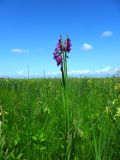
[{"x": 29, "y": 30}]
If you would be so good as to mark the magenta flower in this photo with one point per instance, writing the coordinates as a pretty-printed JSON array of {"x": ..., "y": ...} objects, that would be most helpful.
[
  {"x": 62, "y": 49},
  {"x": 58, "y": 59},
  {"x": 55, "y": 54},
  {"x": 67, "y": 45},
  {"x": 59, "y": 45}
]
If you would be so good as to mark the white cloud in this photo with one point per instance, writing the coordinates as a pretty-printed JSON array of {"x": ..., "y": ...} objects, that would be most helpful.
[
  {"x": 52, "y": 73},
  {"x": 87, "y": 46},
  {"x": 86, "y": 72},
  {"x": 21, "y": 72},
  {"x": 107, "y": 34},
  {"x": 19, "y": 50},
  {"x": 103, "y": 70},
  {"x": 117, "y": 70}
]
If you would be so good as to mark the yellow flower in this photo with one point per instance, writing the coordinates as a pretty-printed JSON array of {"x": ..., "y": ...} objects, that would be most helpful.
[
  {"x": 2, "y": 113},
  {"x": 117, "y": 112},
  {"x": 115, "y": 101},
  {"x": 46, "y": 110},
  {"x": 105, "y": 81},
  {"x": 117, "y": 87},
  {"x": 89, "y": 81},
  {"x": 107, "y": 110}
]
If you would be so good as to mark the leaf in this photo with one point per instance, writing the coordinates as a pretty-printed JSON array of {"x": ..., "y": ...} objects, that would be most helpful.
[
  {"x": 20, "y": 155},
  {"x": 69, "y": 144},
  {"x": 12, "y": 155},
  {"x": 34, "y": 138},
  {"x": 62, "y": 146},
  {"x": 75, "y": 158},
  {"x": 41, "y": 137},
  {"x": 17, "y": 139},
  {"x": 36, "y": 146},
  {"x": 42, "y": 148}
]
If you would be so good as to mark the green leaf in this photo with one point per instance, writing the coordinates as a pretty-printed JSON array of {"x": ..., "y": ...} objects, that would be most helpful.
[
  {"x": 20, "y": 155},
  {"x": 34, "y": 138},
  {"x": 42, "y": 148},
  {"x": 62, "y": 146},
  {"x": 12, "y": 155},
  {"x": 36, "y": 146},
  {"x": 16, "y": 140},
  {"x": 41, "y": 137}
]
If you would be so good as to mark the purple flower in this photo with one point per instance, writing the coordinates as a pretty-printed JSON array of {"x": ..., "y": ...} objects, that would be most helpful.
[
  {"x": 58, "y": 59},
  {"x": 60, "y": 49},
  {"x": 59, "y": 45},
  {"x": 55, "y": 53},
  {"x": 68, "y": 45}
]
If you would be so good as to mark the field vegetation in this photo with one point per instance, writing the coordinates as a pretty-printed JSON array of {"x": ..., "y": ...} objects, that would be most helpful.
[{"x": 32, "y": 119}]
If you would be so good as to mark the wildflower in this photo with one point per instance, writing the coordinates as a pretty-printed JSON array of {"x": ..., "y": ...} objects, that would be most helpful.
[
  {"x": 46, "y": 110},
  {"x": 2, "y": 113},
  {"x": 105, "y": 81},
  {"x": 55, "y": 53},
  {"x": 59, "y": 45},
  {"x": 116, "y": 101},
  {"x": 68, "y": 45},
  {"x": 60, "y": 55},
  {"x": 62, "y": 49},
  {"x": 58, "y": 59},
  {"x": 117, "y": 87},
  {"x": 107, "y": 110},
  {"x": 89, "y": 81},
  {"x": 117, "y": 113}
]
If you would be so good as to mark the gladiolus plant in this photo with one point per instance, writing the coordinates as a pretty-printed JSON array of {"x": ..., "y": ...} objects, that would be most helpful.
[{"x": 61, "y": 56}]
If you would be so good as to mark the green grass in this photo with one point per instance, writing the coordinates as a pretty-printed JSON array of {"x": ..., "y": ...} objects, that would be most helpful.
[{"x": 33, "y": 129}]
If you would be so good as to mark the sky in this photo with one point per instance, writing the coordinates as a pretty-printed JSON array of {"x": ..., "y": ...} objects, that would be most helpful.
[{"x": 30, "y": 29}]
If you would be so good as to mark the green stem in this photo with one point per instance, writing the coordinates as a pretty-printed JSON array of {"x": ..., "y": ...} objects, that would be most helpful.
[
  {"x": 63, "y": 77},
  {"x": 66, "y": 65},
  {"x": 65, "y": 100}
]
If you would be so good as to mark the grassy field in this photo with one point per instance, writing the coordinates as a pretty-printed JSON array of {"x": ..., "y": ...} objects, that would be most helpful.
[{"x": 32, "y": 120}]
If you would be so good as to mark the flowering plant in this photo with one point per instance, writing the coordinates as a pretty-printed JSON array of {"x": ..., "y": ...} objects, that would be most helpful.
[{"x": 60, "y": 55}]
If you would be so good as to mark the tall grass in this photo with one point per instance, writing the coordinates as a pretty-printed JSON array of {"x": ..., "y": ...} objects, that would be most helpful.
[{"x": 33, "y": 129}]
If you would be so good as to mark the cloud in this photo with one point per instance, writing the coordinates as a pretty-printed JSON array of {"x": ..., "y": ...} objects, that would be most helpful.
[
  {"x": 105, "y": 71},
  {"x": 117, "y": 69},
  {"x": 100, "y": 72},
  {"x": 107, "y": 34},
  {"x": 52, "y": 73},
  {"x": 86, "y": 46},
  {"x": 19, "y": 50},
  {"x": 21, "y": 72},
  {"x": 86, "y": 71}
]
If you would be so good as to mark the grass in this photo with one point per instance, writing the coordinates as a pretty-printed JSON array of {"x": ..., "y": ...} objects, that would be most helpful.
[{"x": 32, "y": 119}]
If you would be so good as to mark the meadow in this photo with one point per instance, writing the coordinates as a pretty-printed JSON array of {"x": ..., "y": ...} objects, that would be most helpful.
[{"x": 32, "y": 120}]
